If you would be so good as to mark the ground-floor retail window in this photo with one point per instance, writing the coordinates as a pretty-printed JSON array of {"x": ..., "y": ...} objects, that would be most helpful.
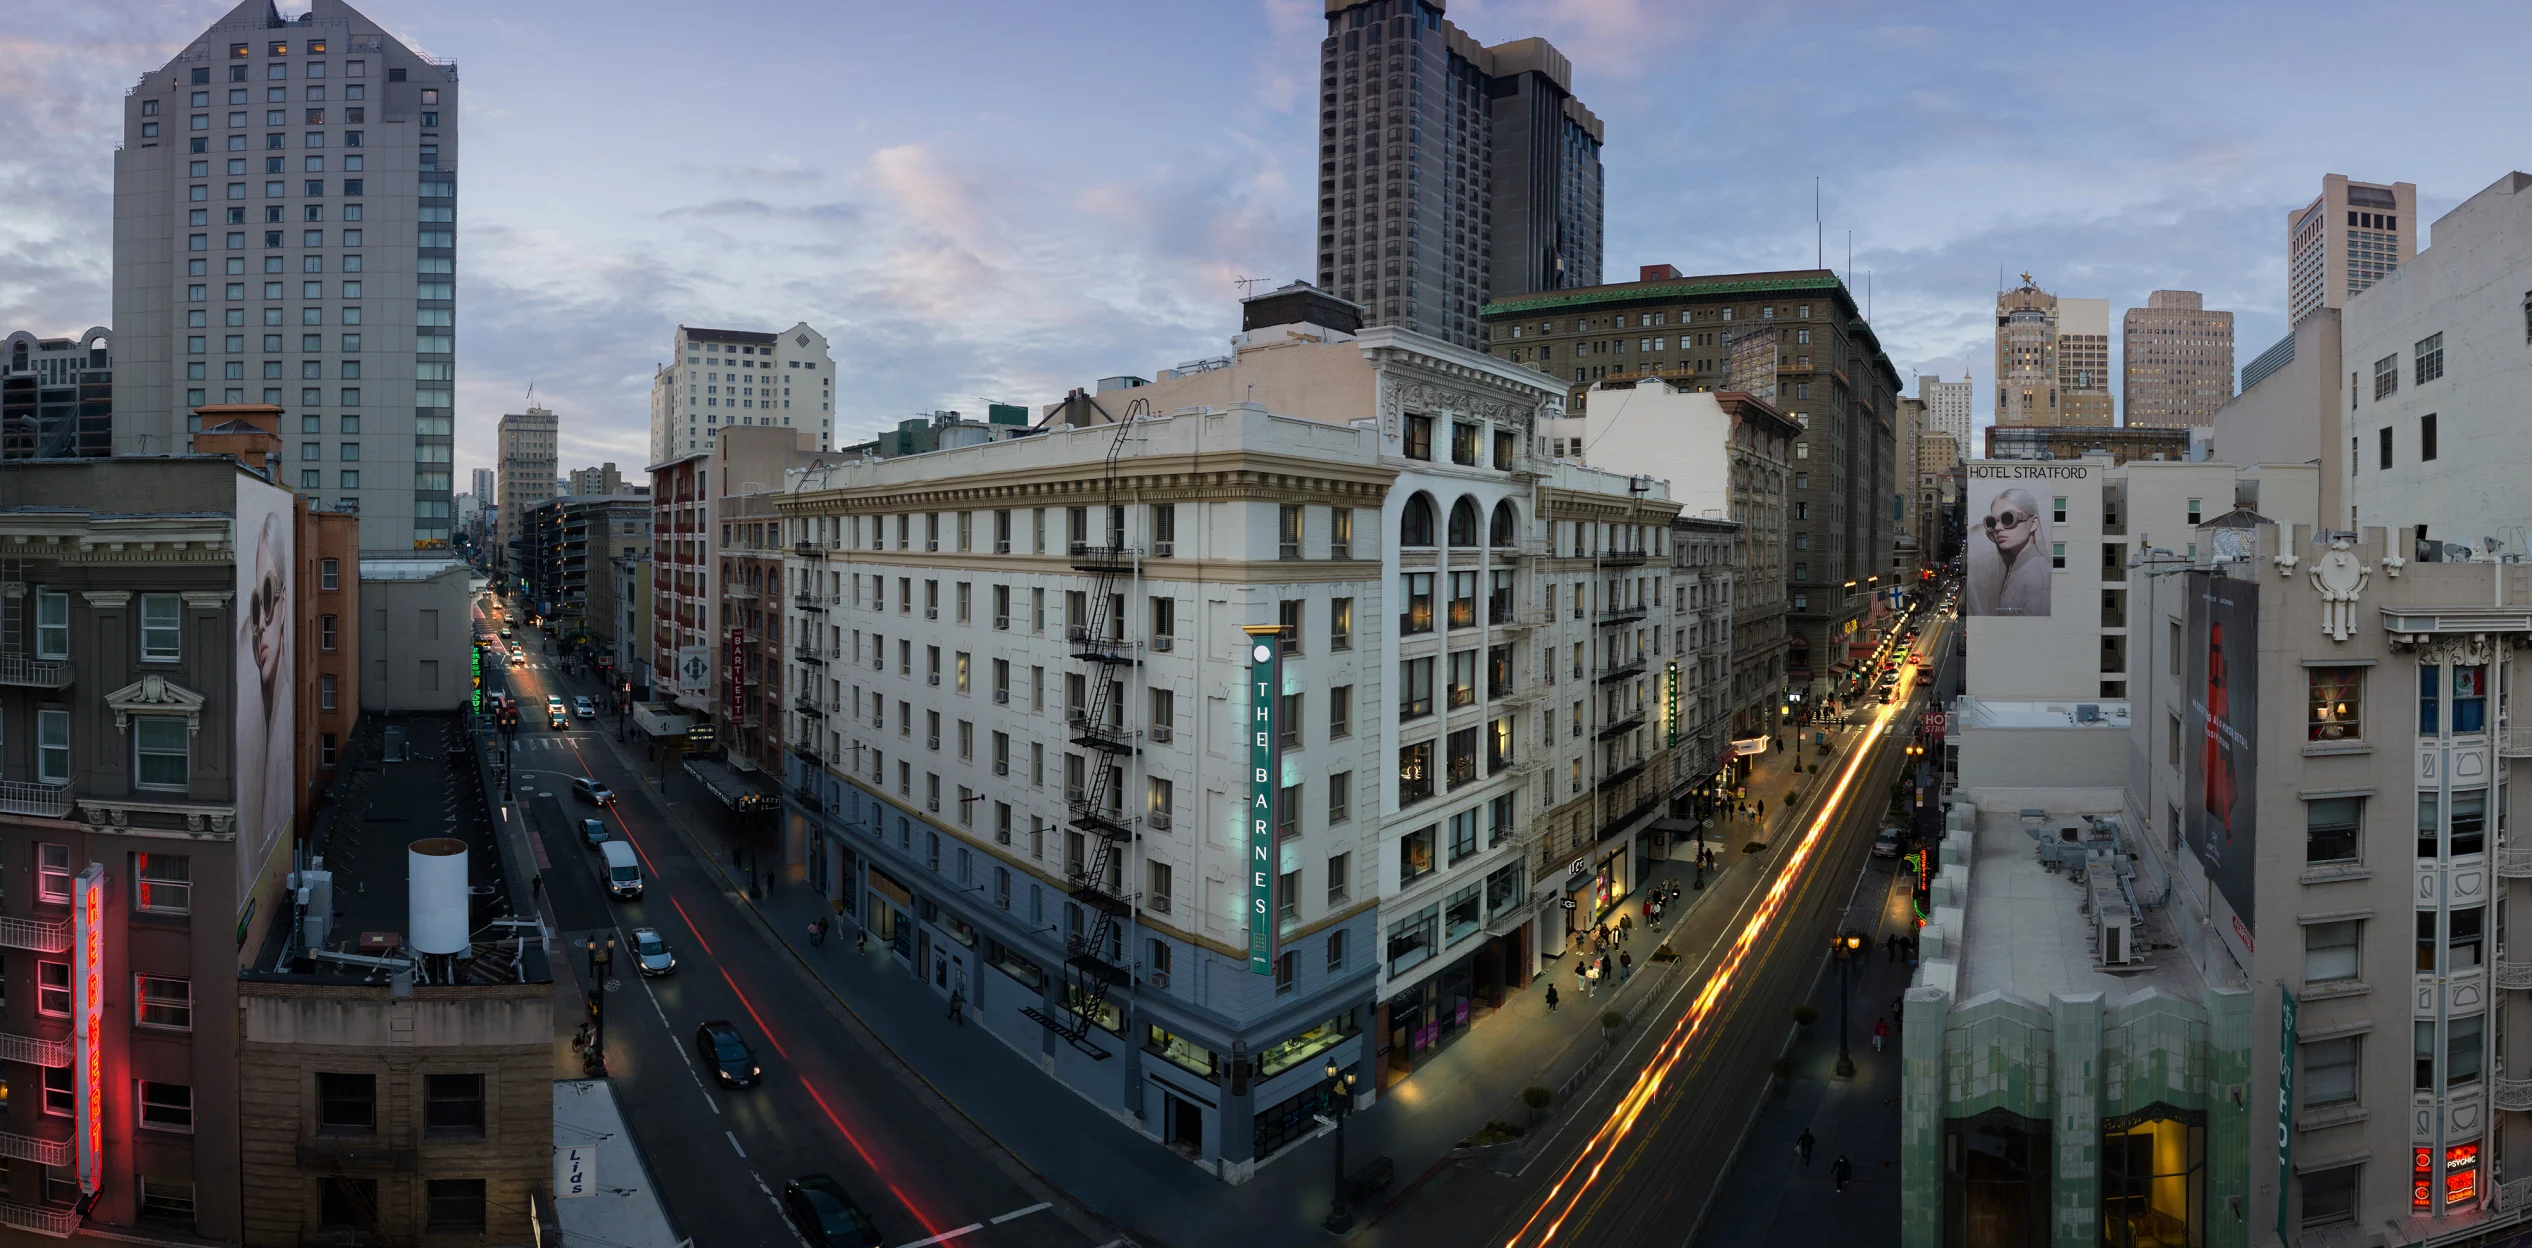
[
  {"x": 2154, "y": 1179},
  {"x": 1995, "y": 1181},
  {"x": 1293, "y": 1119}
]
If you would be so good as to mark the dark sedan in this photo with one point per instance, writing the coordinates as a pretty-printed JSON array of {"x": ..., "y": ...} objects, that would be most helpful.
[
  {"x": 825, "y": 1215},
  {"x": 727, "y": 1055}
]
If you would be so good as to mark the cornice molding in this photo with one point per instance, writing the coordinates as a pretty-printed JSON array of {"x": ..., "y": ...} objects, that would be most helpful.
[
  {"x": 106, "y": 599},
  {"x": 155, "y": 695}
]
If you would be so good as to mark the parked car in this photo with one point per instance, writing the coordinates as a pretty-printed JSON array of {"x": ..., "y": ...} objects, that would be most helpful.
[
  {"x": 593, "y": 832},
  {"x": 592, "y": 792},
  {"x": 652, "y": 954},
  {"x": 1886, "y": 845},
  {"x": 825, "y": 1216},
  {"x": 731, "y": 1061}
]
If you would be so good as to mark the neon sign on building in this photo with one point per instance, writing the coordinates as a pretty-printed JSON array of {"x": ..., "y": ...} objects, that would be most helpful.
[{"x": 87, "y": 1030}]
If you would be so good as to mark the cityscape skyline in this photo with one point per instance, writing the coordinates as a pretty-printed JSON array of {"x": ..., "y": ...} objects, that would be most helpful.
[{"x": 952, "y": 193}]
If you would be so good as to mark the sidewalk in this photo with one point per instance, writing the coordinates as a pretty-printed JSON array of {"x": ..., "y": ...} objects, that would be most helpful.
[{"x": 1109, "y": 1165}]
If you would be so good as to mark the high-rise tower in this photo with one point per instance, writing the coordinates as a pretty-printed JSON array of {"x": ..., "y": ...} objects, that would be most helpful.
[
  {"x": 2346, "y": 240},
  {"x": 285, "y": 219},
  {"x": 716, "y": 378},
  {"x": 2177, "y": 356},
  {"x": 1450, "y": 173}
]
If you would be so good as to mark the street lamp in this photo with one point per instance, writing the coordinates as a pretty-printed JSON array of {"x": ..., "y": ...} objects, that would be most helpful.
[
  {"x": 601, "y": 957},
  {"x": 1845, "y": 945},
  {"x": 1340, "y": 1210}
]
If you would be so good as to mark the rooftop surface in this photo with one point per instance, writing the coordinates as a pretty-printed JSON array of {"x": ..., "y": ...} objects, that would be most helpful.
[
  {"x": 2026, "y": 931},
  {"x": 1971, "y": 712},
  {"x": 376, "y": 811}
]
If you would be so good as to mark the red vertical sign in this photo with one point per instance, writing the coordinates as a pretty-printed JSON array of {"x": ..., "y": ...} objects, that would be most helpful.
[
  {"x": 87, "y": 1036},
  {"x": 738, "y": 674}
]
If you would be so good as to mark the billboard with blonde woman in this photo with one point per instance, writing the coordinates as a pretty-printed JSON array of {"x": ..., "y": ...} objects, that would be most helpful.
[
  {"x": 2010, "y": 551},
  {"x": 267, "y": 732}
]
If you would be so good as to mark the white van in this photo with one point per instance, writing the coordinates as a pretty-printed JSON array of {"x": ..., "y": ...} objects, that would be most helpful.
[{"x": 624, "y": 871}]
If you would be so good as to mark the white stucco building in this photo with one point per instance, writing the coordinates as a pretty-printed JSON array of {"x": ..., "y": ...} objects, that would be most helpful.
[
  {"x": 717, "y": 378},
  {"x": 2439, "y": 352}
]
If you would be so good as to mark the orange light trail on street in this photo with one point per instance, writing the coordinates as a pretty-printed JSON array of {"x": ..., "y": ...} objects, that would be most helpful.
[{"x": 1603, "y": 1145}]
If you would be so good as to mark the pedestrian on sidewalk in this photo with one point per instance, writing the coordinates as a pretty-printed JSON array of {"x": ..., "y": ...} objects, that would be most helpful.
[
  {"x": 1608, "y": 969},
  {"x": 1841, "y": 1170},
  {"x": 1591, "y": 980},
  {"x": 861, "y": 941},
  {"x": 1582, "y": 978},
  {"x": 1803, "y": 1145},
  {"x": 1551, "y": 998},
  {"x": 1890, "y": 947},
  {"x": 817, "y": 932},
  {"x": 1881, "y": 1032},
  {"x": 1626, "y": 928},
  {"x": 1626, "y": 966},
  {"x": 958, "y": 1007}
]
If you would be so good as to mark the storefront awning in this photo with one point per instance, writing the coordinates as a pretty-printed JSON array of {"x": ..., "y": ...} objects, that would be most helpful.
[{"x": 729, "y": 784}]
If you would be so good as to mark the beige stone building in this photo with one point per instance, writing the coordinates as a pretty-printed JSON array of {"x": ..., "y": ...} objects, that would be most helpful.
[
  {"x": 2026, "y": 356},
  {"x": 525, "y": 449},
  {"x": 1726, "y": 455},
  {"x": 2175, "y": 360},
  {"x": 2352, "y": 235},
  {"x": 2083, "y": 363},
  {"x": 1042, "y": 800}
]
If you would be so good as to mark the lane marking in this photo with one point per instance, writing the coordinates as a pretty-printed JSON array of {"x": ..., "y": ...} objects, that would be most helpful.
[
  {"x": 945, "y": 1236},
  {"x": 1021, "y": 1213},
  {"x": 682, "y": 1055},
  {"x": 734, "y": 1147}
]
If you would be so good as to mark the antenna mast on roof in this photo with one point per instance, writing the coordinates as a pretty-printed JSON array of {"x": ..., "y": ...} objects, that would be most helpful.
[{"x": 1248, "y": 285}]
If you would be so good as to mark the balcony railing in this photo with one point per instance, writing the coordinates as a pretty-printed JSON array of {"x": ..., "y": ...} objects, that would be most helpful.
[
  {"x": 1088, "y": 558},
  {"x": 807, "y": 549},
  {"x": 35, "y": 934},
  {"x": 812, "y": 602},
  {"x": 1106, "y": 821},
  {"x": 1620, "y": 671},
  {"x": 2512, "y": 742},
  {"x": 46, "y": 1221},
  {"x": 1501, "y": 613},
  {"x": 2513, "y": 863},
  {"x": 1099, "y": 895},
  {"x": 1621, "y": 615},
  {"x": 1110, "y": 738},
  {"x": 1622, "y": 558},
  {"x": 811, "y": 655},
  {"x": 2509, "y": 974},
  {"x": 17, "y": 669},
  {"x": 2513, "y": 1094},
  {"x": 34, "y": 1050},
  {"x": 22, "y": 797},
  {"x": 37, "y": 1149},
  {"x": 1624, "y": 722}
]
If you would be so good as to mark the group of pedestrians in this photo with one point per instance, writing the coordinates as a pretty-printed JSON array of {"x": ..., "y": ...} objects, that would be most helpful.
[{"x": 1841, "y": 1171}]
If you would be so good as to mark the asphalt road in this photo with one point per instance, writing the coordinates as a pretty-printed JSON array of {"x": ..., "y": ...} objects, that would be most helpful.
[
  {"x": 832, "y": 1099},
  {"x": 1641, "y": 1161}
]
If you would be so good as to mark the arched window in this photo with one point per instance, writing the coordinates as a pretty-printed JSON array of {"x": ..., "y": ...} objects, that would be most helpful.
[
  {"x": 1507, "y": 525},
  {"x": 1415, "y": 528},
  {"x": 1464, "y": 522}
]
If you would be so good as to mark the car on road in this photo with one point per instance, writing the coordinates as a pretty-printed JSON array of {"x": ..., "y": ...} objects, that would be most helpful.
[
  {"x": 624, "y": 870},
  {"x": 1886, "y": 845},
  {"x": 505, "y": 632},
  {"x": 726, "y": 1053},
  {"x": 553, "y": 703},
  {"x": 592, "y": 792},
  {"x": 556, "y": 720},
  {"x": 825, "y": 1216},
  {"x": 584, "y": 708},
  {"x": 593, "y": 832},
  {"x": 518, "y": 658},
  {"x": 1920, "y": 660},
  {"x": 652, "y": 954}
]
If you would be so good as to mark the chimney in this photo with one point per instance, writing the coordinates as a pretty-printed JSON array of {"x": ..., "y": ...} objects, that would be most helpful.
[{"x": 249, "y": 433}]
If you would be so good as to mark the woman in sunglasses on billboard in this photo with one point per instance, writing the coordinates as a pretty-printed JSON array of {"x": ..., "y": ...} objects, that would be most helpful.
[{"x": 2009, "y": 557}]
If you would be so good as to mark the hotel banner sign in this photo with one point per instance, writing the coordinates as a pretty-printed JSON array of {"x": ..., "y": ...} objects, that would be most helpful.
[{"x": 1265, "y": 788}]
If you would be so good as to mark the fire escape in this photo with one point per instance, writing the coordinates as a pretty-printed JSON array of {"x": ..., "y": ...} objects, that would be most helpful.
[{"x": 1095, "y": 961}]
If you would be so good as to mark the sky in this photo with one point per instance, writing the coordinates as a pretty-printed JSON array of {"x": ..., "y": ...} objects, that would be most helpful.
[{"x": 999, "y": 201}]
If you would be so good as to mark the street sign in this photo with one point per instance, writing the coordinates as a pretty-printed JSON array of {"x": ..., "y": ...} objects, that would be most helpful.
[{"x": 699, "y": 736}]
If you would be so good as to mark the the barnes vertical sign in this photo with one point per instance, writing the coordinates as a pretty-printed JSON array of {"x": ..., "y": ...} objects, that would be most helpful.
[{"x": 1265, "y": 771}]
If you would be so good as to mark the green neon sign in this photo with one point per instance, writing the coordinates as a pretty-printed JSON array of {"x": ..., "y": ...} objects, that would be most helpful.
[{"x": 1265, "y": 769}]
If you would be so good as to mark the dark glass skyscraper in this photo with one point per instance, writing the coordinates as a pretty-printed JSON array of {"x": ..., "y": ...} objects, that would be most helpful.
[{"x": 1450, "y": 173}]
